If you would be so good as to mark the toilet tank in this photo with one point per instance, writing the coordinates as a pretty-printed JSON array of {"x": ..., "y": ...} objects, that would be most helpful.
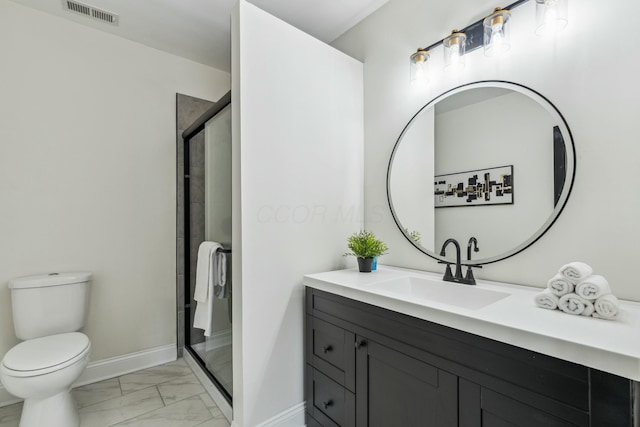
[{"x": 49, "y": 304}]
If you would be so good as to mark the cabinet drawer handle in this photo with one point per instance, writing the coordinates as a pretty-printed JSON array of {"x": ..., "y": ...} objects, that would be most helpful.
[
  {"x": 327, "y": 403},
  {"x": 361, "y": 343},
  {"x": 327, "y": 349}
]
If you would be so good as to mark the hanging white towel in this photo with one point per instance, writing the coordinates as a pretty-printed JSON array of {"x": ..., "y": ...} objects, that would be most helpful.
[
  {"x": 560, "y": 285},
  {"x": 221, "y": 288},
  {"x": 207, "y": 274},
  {"x": 576, "y": 271}
]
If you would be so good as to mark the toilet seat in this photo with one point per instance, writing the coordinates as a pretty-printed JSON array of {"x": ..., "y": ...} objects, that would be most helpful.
[{"x": 44, "y": 355}]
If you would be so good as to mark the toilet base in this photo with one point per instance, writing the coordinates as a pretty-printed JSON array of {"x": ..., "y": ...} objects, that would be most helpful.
[{"x": 59, "y": 410}]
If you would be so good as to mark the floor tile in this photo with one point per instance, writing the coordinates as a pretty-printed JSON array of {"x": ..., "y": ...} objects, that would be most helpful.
[
  {"x": 180, "y": 388},
  {"x": 186, "y": 413},
  {"x": 96, "y": 392},
  {"x": 168, "y": 395},
  {"x": 218, "y": 419},
  {"x": 10, "y": 415},
  {"x": 208, "y": 401},
  {"x": 154, "y": 376},
  {"x": 120, "y": 409}
]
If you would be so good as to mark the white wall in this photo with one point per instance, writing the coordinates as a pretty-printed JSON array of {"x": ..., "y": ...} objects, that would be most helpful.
[
  {"x": 590, "y": 79},
  {"x": 87, "y": 171},
  {"x": 297, "y": 190},
  {"x": 411, "y": 178}
]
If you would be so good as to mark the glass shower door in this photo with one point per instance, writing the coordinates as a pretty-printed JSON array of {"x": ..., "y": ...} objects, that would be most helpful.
[{"x": 209, "y": 219}]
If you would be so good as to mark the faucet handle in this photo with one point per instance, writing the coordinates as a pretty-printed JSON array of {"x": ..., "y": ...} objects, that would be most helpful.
[
  {"x": 469, "y": 279},
  {"x": 447, "y": 272}
]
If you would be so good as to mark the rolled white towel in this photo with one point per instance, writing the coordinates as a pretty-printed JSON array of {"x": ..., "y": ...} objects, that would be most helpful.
[
  {"x": 576, "y": 271},
  {"x": 593, "y": 287},
  {"x": 560, "y": 285},
  {"x": 607, "y": 307},
  {"x": 575, "y": 304},
  {"x": 546, "y": 299}
]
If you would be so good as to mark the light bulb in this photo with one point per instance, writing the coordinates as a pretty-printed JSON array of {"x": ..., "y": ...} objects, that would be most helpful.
[
  {"x": 454, "y": 50},
  {"x": 455, "y": 55},
  {"x": 497, "y": 40},
  {"x": 551, "y": 16},
  {"x": 496, "y": 32},
  {"x": 418, "y": 67}
]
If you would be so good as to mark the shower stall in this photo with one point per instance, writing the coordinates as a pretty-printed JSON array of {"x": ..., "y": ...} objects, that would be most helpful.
[{"x": 207, "y": 217}]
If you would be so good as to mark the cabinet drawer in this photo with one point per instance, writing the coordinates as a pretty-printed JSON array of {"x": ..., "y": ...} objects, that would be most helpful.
[
  {"x": 332, "y": 404},
  {"x": 331, "y": 350},
  {"x": 329, "y": 343}
]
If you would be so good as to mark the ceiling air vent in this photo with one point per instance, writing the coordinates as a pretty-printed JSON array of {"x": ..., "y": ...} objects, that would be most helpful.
[{"x": 90, "y": 11}]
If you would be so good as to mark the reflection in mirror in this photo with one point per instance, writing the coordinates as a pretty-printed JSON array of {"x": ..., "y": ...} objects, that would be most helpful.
[{"x": 490, "y": 160}]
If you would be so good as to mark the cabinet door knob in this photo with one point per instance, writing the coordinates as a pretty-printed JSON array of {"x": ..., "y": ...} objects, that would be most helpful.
[
  {"x": 327, "y": 348},
  {"x": 327, "y": 403},
  {"x": 361, "y": 343}
]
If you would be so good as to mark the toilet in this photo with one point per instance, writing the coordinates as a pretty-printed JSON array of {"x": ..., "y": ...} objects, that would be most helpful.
[{"x": 48, "y": 310}]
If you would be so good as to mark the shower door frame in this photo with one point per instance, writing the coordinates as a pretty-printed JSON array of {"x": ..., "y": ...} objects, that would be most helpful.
[{"x": 187, "y": 135}]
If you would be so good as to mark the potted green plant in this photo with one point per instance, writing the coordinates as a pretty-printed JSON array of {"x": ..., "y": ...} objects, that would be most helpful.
[{"x": 365, "y": 246}]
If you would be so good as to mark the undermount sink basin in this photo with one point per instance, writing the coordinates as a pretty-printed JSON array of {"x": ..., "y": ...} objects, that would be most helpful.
[{"x": 464, "y": 296}]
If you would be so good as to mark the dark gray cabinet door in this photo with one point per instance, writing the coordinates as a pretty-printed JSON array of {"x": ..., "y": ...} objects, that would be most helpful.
[
  {"x": 393, "y": 389},
  {"x": 483, "y": 407}
]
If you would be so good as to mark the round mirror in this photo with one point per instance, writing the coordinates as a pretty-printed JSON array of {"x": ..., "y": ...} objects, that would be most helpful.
[{"x": 490, "y": 164}]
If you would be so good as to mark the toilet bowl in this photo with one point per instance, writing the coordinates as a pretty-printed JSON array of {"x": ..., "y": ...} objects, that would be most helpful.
[
  {"x": 48, "y": 311},
  {"x": 41, "y": 371}
]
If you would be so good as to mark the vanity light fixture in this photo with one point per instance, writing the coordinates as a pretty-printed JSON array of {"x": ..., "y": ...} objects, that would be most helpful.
[
  {"x": 454, "y": 49},
  {"x": 551, "y": 16},
  {"x": 496, "y": 32},
  {"x": 418, "y": 67},
  {"x": 492, "y": 32}
]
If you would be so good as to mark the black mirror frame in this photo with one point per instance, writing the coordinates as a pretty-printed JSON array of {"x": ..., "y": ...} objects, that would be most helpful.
[{"x": 570, "y": 178}]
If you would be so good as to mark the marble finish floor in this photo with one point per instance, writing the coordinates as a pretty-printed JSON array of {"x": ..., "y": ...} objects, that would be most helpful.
[{"x": 168, "y": 395}]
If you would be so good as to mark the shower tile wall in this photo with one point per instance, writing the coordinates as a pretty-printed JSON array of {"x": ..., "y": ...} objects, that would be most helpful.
[{"x": 188, "y": 109}]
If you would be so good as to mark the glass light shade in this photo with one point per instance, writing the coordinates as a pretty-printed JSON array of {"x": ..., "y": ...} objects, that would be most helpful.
[
  {"x": 418, "y": 67},
  {"x": 454, "y": 50},
  {"x": 551, "y": 16},
  {"x": 497, "y": 32}
]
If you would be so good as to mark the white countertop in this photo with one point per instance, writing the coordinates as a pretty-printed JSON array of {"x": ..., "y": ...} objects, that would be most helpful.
[{"x": 609, "y": 345}]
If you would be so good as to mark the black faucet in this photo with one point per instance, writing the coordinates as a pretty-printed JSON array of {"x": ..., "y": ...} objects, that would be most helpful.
[
  {"x": 447, "y": 275},
  {"x": 473, "y": 241},
  {"x": 457, "y": 278},
  {"x": 469, "y": 276}
]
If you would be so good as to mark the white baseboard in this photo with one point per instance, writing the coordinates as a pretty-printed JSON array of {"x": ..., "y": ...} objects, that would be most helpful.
[
  {"x": 121, "y": 365},
  {"x": 113, "y": 367},
  {"x": 292, "y": 417}
]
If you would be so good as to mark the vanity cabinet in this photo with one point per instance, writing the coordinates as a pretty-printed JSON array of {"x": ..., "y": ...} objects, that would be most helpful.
[{"x": 368, "y": 366}]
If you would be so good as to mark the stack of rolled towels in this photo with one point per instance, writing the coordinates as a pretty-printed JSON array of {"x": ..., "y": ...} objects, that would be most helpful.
[{"x": 576, "y": 290}]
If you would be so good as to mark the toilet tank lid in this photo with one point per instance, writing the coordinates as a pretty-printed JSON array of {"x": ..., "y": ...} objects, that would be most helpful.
[{"x": 51, "y": 279}]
